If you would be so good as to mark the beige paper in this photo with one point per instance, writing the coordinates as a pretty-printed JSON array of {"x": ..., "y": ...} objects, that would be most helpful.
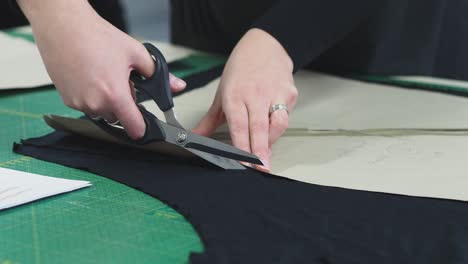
[
  {"x": 20, "y": 64},
  {"x": 327, "y": 102},
  {"x": 381, "y": 138},
  {"x": 173, "y": 52},
  {"x": 418, "y": 165},
  {"x": 426, "y": 163}
]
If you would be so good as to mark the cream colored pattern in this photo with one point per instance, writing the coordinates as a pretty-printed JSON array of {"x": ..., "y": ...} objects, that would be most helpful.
[{"x": 376, "y": 138}]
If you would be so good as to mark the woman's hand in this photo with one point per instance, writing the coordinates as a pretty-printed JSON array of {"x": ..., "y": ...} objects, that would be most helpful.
[
  {"x": 257, "y": 76},
  {"x": 90, "y": 61}
]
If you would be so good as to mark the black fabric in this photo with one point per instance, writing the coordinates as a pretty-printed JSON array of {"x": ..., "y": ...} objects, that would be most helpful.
[
  {"x": 111, "y": 10},
  {"x": 389, "y": 37},
  {"x": 251, "y": 217}
]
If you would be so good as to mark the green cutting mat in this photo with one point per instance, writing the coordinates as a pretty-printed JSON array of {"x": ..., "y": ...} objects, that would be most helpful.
[{"x": 105, "y": 223}]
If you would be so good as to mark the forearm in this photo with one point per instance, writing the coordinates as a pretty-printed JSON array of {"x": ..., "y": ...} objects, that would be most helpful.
[{"x": 42, "y": 12}]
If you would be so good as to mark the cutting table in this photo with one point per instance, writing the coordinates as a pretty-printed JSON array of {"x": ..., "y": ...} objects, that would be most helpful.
[{"x": 106, "y": 223}]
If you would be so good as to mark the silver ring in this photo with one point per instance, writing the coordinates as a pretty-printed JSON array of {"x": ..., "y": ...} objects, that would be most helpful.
[{"x": 276, "y": 107}]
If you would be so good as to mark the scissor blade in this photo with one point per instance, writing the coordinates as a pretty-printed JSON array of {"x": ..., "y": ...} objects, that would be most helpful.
[
  {"x": 224, "y": 150},
  {"x": 171, "y": 118},
  {"x": 225, "y": 163},
  {"x": 208, "y": 145}
]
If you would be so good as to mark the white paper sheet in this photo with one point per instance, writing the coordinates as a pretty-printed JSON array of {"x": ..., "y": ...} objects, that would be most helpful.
[
  {"x": 17, "y": 187},
  {"x": 20, "y": 64}
]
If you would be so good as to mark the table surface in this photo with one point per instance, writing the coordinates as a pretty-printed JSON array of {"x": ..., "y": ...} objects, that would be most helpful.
[{"x": 105, "y": 223}]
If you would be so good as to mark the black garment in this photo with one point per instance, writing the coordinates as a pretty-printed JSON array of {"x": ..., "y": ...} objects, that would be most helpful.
[
  {"x": 388, "y": 37},
  {"x": 251, "y": 217},
  {"x": 111, "y": 10}
]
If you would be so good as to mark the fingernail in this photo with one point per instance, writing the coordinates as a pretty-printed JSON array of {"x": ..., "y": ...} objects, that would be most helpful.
[
  {"x": 180, "y": 83},
  {"x": 262, "y": 168},
  {"x": 246, "y": 164},
  {"x": 138, "y": 132},
  {"x": 266, "y": 163}
]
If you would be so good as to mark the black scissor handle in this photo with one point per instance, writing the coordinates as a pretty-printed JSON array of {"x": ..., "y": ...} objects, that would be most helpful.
[
  {"x": 153, "y": 132},
  {"x": 156, "y": 86}
]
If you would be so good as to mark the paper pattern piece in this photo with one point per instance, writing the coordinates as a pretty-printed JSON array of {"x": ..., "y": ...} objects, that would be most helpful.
[
  {"x": 328, "y": 102},
  {"x": 421, "y": 165},
  {"x": 17, "y": 187},
  {"x": 355, "y": 135},
  {"x": 381, "y": 138},
  {"x": 21, "y": 65},
  {"x": 173, "y": 52}
]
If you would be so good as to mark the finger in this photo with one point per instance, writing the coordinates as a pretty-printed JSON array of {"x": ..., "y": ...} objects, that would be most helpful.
[
  {"x": 177, "y": 84},
  {"x": 132, "y": 90},
  {"x": 237, "y": 119},
  {"x": 129, "y": 116},
  {"x": 278, "y": 124},
  {"x": 212, "y": 120},
  {"x": 142, "y": 60},
  {"x": 258, "y": 129}
]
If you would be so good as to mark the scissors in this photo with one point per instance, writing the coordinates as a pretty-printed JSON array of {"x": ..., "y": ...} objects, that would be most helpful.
[{"x": 157, "y": 88}]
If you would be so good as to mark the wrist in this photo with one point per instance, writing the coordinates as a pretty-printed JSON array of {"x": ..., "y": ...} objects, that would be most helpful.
[{"x": 265, "y": 41}]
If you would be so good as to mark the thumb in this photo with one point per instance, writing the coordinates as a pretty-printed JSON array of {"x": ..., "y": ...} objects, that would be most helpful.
[
  {"x": 129, "y": 116},
  {"x": 176, "y": 83}
]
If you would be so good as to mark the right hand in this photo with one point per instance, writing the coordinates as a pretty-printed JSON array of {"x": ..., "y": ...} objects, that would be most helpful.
[{"x": 90, "y": 61}]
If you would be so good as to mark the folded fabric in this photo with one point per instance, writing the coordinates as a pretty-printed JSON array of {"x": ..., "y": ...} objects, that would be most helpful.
[{"x": 252, "y": 217}]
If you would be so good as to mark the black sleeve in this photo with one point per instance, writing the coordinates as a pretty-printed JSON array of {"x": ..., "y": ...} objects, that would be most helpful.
[
  {"x": 10, "y": 15},
  {"x": 306, "y": 28}
]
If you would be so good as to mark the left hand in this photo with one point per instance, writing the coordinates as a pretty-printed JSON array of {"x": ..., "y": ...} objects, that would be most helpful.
[{"x": 257, "y": 75}]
